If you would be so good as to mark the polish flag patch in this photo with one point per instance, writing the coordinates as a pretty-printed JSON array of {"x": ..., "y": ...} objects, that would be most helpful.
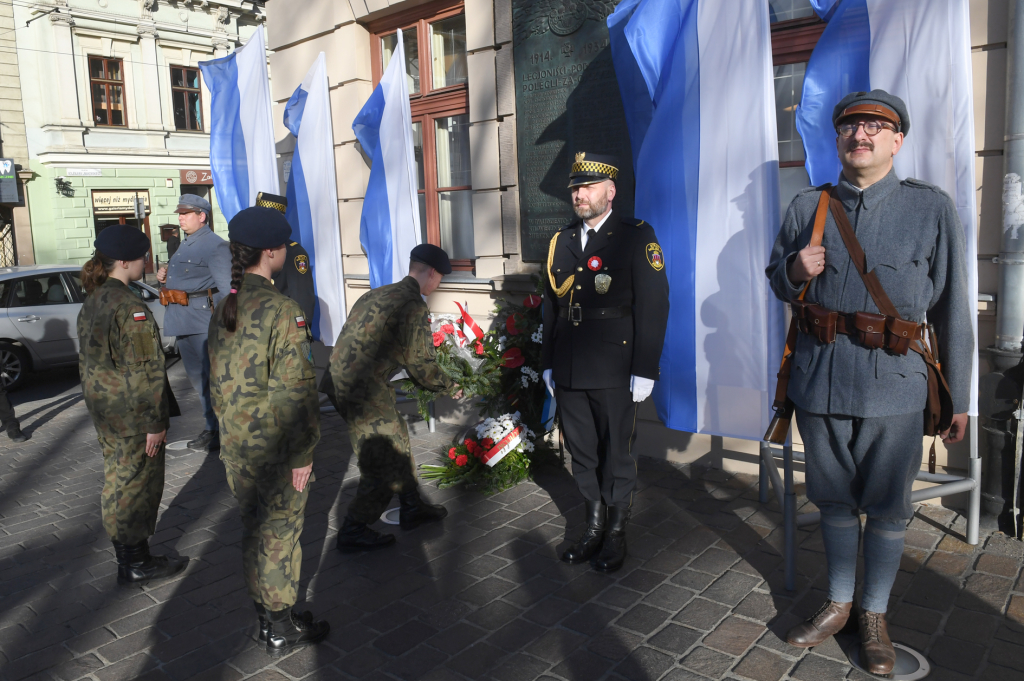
[
  {"x": 300, "y": 322},
  {"x": 139, "y": 316}
]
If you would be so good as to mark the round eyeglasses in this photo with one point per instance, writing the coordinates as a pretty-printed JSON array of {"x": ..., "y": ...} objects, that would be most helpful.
[{"x": 871, "y": 128}]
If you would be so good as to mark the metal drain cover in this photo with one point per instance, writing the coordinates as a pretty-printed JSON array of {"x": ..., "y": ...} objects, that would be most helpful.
[
  {"x": 910, "y": 664},
  {"x": 177, "y": 446}
]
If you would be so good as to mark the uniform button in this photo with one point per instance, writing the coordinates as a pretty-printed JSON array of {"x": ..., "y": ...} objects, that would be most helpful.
[
  {"x": 579, "y": 269},
  {"x": 623, "y": 342},
  {"x": 578, "y": 287},
  {"x": 606, "y": 268},
  {"x": 558, "y": 270}
]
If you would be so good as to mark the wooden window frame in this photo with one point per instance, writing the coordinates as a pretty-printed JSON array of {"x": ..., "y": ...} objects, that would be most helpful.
[
  {"x": 107, "y": 83},
  {"x": 793, "y": 42},
  {"x": 430, "y": 103},
  {"x": 186, "y": 90}
]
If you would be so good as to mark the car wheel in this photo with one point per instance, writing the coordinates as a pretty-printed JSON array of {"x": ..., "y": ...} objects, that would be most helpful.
[{"x": 14, "y": 366}]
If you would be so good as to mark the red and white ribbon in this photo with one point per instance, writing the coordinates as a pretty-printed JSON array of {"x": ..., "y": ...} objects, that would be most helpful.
[
  {"x": 503, "y": 447},
  {"x": 471, "y": 329}
]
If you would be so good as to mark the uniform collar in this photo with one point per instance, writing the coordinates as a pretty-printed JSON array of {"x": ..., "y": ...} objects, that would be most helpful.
[
  {"x": 113, "y": 282},
  {"x": 411, "y": 282},
  {"x": 853, "y": 196},
  {"x": 585, "y": 227},
  {"x": 196, "y": 234},
  {"x": 251, "y": 279}
]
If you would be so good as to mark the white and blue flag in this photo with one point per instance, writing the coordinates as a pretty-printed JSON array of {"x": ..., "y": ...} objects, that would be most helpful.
[
  {"x": 390, "y": 225},
  {"x": 313, "y": 198},
  {"x": 243, "y": 156},
  {"x": 696, "y": 84},
  {"x": 920, "y": 51}
]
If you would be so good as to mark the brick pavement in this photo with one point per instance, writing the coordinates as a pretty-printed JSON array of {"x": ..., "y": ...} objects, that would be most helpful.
[{"x": 480, "y": 596}]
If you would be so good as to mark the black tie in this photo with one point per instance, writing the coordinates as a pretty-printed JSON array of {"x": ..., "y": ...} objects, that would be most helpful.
[{"x": 591, "y": 233}]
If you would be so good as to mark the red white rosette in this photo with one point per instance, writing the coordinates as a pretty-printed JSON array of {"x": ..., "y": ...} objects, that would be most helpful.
[{"x": 594, "y": 263}]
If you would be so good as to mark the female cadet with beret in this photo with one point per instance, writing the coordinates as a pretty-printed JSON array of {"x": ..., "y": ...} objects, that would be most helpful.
[
  {"x": 124, "y": 383},
  {"x": 263, "y": 389}
]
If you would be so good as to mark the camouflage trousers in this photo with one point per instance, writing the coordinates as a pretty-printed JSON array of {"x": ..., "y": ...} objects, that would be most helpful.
[
  {"x": 273, "y": 514},
  {"x": 133, "y": 485},
  {"x": 385, "y": 462}
]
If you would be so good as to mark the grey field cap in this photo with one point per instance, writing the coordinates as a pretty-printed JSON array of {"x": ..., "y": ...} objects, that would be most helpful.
[{"x": 190, "y": 203}]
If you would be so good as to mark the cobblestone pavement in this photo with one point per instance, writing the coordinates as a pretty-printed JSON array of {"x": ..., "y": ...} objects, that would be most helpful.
[{"x": 480, "y": 596}]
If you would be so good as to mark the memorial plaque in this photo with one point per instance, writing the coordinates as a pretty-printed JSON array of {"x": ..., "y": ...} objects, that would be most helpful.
[{"x": 567, "y": 100}]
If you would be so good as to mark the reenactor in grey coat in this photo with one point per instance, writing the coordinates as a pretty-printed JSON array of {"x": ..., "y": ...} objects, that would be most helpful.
[
  {"x": 195, "y": 279},
  {"x": 860, "y": 409}
]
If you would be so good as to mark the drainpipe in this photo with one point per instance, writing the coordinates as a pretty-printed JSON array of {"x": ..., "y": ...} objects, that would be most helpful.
[
  {"x": 999, "y": 393},
  {"x": 1010, "y": 317}
]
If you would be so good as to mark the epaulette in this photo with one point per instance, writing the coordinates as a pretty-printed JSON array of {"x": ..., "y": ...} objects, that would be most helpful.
[
  {"x": 632, "y": 222},
  {"x": 921, "y": 184},
  {"x": 293, "y": 244},
  {"x": 571, "y": 225}
]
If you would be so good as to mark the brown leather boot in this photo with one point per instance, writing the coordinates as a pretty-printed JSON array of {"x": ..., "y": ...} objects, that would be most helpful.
[
  {"x": 876, "y": 652},
  {"x": 828, "y": 621}
]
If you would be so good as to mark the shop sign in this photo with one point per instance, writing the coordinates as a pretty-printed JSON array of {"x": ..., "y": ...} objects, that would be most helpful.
[
  {"x": 8, "y": 181},
  {"x": 84, "y": 172},
  {"x": 196, "y": 176},
  {"x": 117, "y": 202}
]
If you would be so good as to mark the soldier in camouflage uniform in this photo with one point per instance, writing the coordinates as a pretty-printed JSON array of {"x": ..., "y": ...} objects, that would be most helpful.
[
  {"x": 263, "y": 389},
  {"x": 386, "y": 330},
  {"x": 125, "y": 386}
]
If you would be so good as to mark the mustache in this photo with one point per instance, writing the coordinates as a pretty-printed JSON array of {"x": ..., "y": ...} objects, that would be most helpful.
[{"x": 860, "y": 144}]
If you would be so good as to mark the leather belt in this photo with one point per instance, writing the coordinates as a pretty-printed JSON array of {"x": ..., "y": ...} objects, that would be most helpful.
[
  {"x": 869, "y": 329},
  {"x": 578, "y": 314}
]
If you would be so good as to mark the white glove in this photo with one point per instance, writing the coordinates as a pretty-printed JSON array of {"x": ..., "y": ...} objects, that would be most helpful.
[
  {"x": 548, "y": 381},
  {"x": 641, "y": 387}
]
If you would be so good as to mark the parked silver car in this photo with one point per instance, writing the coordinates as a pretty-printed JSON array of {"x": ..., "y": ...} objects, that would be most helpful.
[{"x": 39, "y": 307}]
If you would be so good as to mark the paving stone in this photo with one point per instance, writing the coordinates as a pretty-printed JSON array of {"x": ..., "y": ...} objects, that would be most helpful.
[
  {"x": 702, "y": 614},
  {"x": 971, "y": 626},
  {"x": 681, "y": 675},
  {"x": 710, "y": 663},
  {"x": 1004, "y": 566},
  {"x": 957, "y": 655},
  {"x": 675, "y": 639},
  {"x": 494, "y": 615},
  {"x": 520, "y": 668},
  {"x": 643, "y": 619},
  {"x": 404, "y": 638},
  {"x": 669, "y": 597},
  {"x": 614, "y": 643},
  {"x": 759, "y": 606},
  {"x": 763, "y": 665},
  {"x": 516, "y": 635},
  {"x": 953, "y": 545},
  {"x": 645, "y": 663},
  {"x": 555, "y": 644},
  {"x": 917, "y": 618},
  {"x": 1006, "y": 654},
  {"x": 734, "y": 635},
  {"x": 817, "y": 668},
  {"x": 731, "y": 588},
  {"x": 590, "y": 620}
]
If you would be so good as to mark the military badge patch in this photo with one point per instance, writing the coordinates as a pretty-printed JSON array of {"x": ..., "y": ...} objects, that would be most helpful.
[
  {"x": 300, "y": 322},
  {"x": 655, "y": 257},
  {"x": 139, "y": 316},
  {"x": 307, "y": 351},
  {"x": 302, "y": 263},
  {"x": 602, "y": 283}
]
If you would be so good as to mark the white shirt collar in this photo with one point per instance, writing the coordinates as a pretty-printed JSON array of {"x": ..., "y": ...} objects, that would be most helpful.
[{"x": 596, "y": 228}]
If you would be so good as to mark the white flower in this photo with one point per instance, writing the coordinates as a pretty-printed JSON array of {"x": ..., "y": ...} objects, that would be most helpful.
[
  {"x": 538, "y": 335},
  {"x": 526, "y": 382},
  {"x": 527, "y": 446},
  {"x": 501, "y": 343},
  {"x": 531, "y": 374}
]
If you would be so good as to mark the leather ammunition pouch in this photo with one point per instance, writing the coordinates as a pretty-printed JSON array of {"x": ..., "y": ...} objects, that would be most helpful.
[
  {"x": 170, "y": 295},
  {"x": 870, "y": 330}
]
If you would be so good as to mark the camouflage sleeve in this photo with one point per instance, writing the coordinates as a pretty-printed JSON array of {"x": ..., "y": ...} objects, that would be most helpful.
[
  {"x": 291, "y": 387},
  {"x": 418, "y": 349},
  {"x": 135, "y": 343}
]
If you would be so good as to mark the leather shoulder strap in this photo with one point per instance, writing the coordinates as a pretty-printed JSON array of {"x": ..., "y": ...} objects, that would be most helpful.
[
  {"x": 819, "y": 227},
  {"x": 853, "y": 246}
]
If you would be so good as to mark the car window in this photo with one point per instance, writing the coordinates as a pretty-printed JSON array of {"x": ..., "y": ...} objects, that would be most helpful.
[
  {"x": 5, "y": 289},
  {"x": 46, "y": 289},
  {"x": 76, "y": 281},
  {"x": 141, "y": 292}
]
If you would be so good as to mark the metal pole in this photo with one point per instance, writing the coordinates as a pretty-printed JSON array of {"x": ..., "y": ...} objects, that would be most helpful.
[
  {"x": 762, "y": 474},
  {"x": 789, "y": 519},
  {"x": 1010, "y": 317},
  {"x": 974, "y": 473}
]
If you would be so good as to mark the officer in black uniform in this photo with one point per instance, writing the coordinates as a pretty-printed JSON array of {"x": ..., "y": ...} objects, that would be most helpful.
[
  {"x": 296, "y": 279},
  {"x": 605, "y": 313}
]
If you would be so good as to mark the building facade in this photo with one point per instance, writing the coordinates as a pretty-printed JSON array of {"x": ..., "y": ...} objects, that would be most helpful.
[
  {"x": 499, "y": 91},
  {"x": 115, "y": 110}
]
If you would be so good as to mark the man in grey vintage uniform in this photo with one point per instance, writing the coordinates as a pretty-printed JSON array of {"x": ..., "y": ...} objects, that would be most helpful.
[
  {"x": 195, "y": 279},
  {"x": 860, "y": 410}
]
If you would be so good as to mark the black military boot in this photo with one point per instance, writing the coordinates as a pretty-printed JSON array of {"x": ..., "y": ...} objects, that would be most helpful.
[
  {"x": 613, "y": 549},
  {"x": 136, "y": 567},
  {"x": 14, "y": 432},
  {"x": 355, "y": 537},
  {"x": 288, "y": 631},
  {"x": 416, "y": 511},
  {"x": 208, "y": 440},
  {"x": 261, "y": 612},
  {"x": 590, "y": 541}
]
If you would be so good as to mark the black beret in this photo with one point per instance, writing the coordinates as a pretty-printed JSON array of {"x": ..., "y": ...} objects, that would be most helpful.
[
  {"x": 592, "y": 168},
  {"x": 275, "y": 201},
  {"x": 259, "y": 227},
  {"x": 432, "y": 255},
  {"x": 122, "y": 242},
  {"x": 877, "y": 103}
]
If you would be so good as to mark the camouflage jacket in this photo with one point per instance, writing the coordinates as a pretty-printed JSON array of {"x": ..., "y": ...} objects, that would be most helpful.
[
  {"x": 386, "y": 330},
  {"x": 121, "y": 363},
  {"x": 262, "y": 381}
]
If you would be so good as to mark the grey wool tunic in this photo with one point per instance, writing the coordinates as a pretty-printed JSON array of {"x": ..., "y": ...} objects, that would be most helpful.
[{"x": 912, "y": 238}]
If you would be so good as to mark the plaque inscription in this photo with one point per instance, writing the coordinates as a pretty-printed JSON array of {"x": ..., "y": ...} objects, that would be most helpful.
[{"x": 567, "y": 100}]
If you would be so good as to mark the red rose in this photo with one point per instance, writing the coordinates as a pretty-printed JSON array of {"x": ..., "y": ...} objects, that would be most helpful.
[
  {"x": 513, "y": 358},
  {"x": 447, "y": 328},
  {"x": 479, "y": 348},
  {"x": 510, "y": 324},
  {"x": 451, "y": 453},
  {"x": 461, "y": 460},
  {"x": 438, "y": 339},
  {"x": 468, "y": 442},
  {"x": 531, "y": 301},
  {"x": 487, "y": 443}
]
